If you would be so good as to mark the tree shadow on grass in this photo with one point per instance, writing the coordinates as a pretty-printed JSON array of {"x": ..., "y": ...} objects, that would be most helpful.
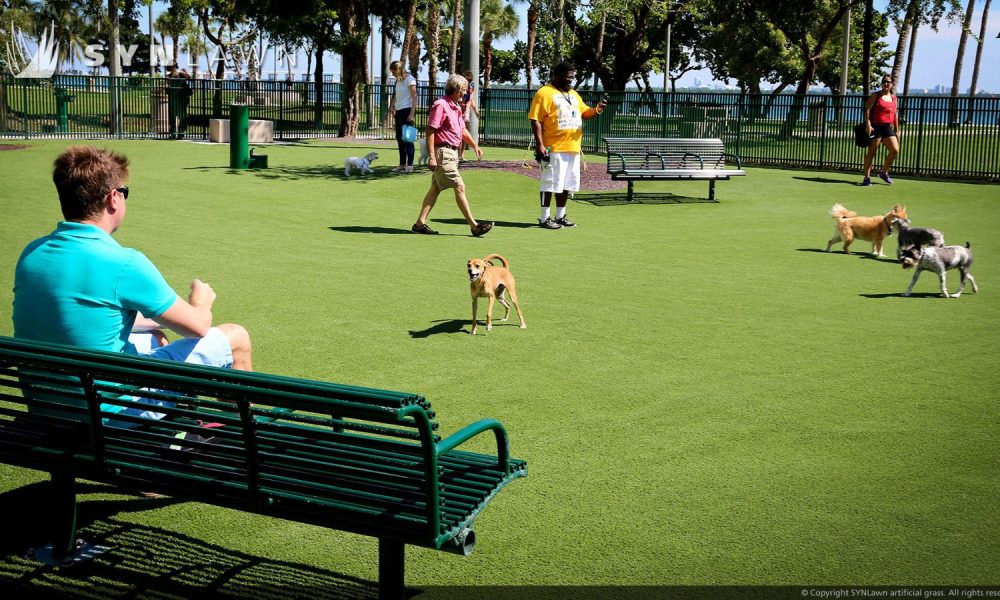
[
  {"x": 900, "y": 295},
  {"x": 621, "y": 198},
  {"x": 151, "y": 562},
  {"x": 443, "y": 326},
  {"x": 861, "y": 255},
  {"x": 511, "y": 224},
  {"x": 825, "y": 180}
]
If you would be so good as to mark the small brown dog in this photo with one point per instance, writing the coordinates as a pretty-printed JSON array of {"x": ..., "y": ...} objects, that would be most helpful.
[
  {"x": 871, "y": 229},
  {"x": 490, "y": 281}
]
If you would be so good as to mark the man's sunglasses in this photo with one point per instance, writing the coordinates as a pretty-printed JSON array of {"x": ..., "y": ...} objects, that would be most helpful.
[{"x": 123, "y": 191}]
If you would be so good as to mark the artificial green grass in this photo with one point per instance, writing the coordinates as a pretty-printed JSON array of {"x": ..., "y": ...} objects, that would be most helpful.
[{"x": 702, "y": 395}]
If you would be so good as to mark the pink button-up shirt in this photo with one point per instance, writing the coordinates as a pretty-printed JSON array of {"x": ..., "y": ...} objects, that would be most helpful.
[{"x": 447, "y": 122}]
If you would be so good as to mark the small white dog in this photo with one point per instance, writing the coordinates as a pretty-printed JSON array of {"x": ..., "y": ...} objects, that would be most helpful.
[
  {"x": 362, "y": 163},
  {"x": 423, "y": 152}
]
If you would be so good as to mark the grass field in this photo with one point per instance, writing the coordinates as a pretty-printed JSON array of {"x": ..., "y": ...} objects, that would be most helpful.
[{"x": 702, "y": 395}]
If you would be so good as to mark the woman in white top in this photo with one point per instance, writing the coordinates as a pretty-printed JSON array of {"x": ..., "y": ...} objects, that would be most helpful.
[{"x": 405, "y": 104}]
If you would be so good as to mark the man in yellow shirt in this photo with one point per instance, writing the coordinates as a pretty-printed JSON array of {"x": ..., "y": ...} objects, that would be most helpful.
[{"x": 557, "y": 113}]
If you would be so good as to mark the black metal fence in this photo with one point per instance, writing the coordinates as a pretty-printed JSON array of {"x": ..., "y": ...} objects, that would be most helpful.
[{"x": 940, "y": 136}]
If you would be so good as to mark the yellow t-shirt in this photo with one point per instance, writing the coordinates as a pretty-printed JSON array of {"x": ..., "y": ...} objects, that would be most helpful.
[{"x": 561, "y": 116}]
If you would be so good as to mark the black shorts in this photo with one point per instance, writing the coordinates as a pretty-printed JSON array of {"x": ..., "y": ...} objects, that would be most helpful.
[{"x": 883, "y": 131}]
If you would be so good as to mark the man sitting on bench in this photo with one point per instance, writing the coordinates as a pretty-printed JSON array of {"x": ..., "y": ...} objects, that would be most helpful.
[{"x": 78, "y": 286}]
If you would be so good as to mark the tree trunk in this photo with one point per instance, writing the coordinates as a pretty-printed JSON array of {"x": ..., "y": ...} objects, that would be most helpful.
[
  {"x": 488, "y": 56},
  {"x": 354, "y": 55},
  {"x": 529, "y": 63},
  {"x": 411, "y": 18},
  {"x": 318, "y": 87},
  {"x": 453, "y": 60},
  {"x": 433, "y": 41},
  {"x": 979, "y": 58},
  {"x": 414, "y": 55},
  {"x": 115, "y": 69},
  {"x": 959, "y": 59},
  {"x": 911, "y": 54},
  {"x": 905, "y": 30}
]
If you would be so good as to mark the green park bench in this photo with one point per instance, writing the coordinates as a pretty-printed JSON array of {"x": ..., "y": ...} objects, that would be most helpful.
[
  {"x": 678, "y": 159},
  {"x": 355, "y": 459}
]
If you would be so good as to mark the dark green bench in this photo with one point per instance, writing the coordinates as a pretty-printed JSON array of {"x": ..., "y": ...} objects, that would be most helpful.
[
  {"x": 356, "y": 459},
  {"x": 650, "y": 159}
]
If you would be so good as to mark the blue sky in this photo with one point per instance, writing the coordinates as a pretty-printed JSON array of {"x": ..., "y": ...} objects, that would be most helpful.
[{"x": 934, "y": 64}]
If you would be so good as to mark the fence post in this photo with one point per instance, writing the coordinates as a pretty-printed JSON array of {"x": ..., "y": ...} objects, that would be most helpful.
[
  {"x": 25, "y": 96},
  {"x": 822, "y": 133},
  {"x": 740, "y": 111},
  {"x": 920, "y": 134}
]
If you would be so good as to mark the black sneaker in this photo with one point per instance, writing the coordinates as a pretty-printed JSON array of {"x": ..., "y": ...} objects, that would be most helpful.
[
  {"x": 549, "y": 224},
  {"x": 565, "y": 222},
  {"x": 482, "y": 228},
  {"x": 422, "y": 228}
]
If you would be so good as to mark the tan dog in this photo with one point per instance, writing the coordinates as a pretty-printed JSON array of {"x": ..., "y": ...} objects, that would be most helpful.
[
  {"x": 490, "y": 281},
  {"x": 871, "y": 229}
]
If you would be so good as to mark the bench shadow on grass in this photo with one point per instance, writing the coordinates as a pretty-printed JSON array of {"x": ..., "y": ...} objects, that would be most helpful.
[
  {"x": 306, "y": 172},
  {"x": 147, "y": 561},
  {"x": 621, "y": 198}
]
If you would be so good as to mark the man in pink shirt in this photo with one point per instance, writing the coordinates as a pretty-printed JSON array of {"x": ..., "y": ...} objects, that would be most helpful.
[{"x": 445, "y": 134}]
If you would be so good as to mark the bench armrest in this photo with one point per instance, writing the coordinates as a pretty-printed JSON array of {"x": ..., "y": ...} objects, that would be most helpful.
[
  {"x": 701, "y": 161},
  {"x": 620, "y": 157},
  {"x": 470, "y": 431},
  {"x": 663, "y": 165},
  {"x": 739, "y": 164}
]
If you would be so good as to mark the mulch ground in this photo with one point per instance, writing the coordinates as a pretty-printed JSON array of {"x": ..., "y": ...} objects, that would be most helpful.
[{"x": 11, "y": 147}]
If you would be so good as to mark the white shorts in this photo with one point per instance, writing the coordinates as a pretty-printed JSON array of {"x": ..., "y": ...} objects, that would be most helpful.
[
  {"x": 213, "y": 350},
  {"x": 561, "y": 173}
]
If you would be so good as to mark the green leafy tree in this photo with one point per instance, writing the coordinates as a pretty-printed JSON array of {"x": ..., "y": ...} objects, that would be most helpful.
[{"x": 497, "y": 19}]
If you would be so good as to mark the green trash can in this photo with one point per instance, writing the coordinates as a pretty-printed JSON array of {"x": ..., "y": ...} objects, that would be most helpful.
[
  {"x": 239, "y": 136},
  {"x": 63, "y": 98}
]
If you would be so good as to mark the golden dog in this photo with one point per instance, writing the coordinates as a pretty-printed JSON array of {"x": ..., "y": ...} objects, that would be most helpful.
[
  {"x": 871, "y": 229},
  {"x": 490, "y": 281}
]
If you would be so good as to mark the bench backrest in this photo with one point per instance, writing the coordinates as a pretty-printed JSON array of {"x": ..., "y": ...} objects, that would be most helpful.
[
  {"x": 367, "y": 457},
  {"x": 625, "y": 154}
]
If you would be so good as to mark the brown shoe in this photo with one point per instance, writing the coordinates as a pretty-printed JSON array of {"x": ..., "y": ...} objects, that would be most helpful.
[{"x": 482, "y": 228}]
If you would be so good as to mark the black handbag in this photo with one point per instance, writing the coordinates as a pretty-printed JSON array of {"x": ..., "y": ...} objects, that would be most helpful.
[{"x": 862, "y": 139}]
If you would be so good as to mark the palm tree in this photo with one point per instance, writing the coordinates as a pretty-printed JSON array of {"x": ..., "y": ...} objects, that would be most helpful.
[
  {"x": 959, "y": 58},
  {"x": 72, "y": 27},
  {"x": 533, "y": 14},
  {"x": 979, "y": 57},
  {"x": 411, "y": 17},
  {"x": 433, "y": 40},
  {"x": 456, "y": 25},
  {"x": 906, "y": 28},
  {"x": 174, "y": 23},
  {"x": 194, "y": 46},
  {"x": 496, "y": 20}
]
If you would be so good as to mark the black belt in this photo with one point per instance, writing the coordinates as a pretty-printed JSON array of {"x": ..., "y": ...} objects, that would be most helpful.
[{"x": 446, "y": 146}]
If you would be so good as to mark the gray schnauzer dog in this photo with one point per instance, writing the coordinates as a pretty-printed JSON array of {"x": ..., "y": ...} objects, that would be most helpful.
[
  {"x": 914, "y": 236},
  {"x": 939, "y": 260}
]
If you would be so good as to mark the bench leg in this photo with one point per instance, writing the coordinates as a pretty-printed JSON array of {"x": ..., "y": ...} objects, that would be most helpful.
[
  {"x": 63, "y": 513},
  {"x": 629, "y": 190},
  {"x": 391, "y": 558},
  {"x": 711, "y": 190}
]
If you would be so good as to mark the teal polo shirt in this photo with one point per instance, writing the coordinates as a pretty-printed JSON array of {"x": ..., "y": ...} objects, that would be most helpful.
[{"x": 79, "y": 286}]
